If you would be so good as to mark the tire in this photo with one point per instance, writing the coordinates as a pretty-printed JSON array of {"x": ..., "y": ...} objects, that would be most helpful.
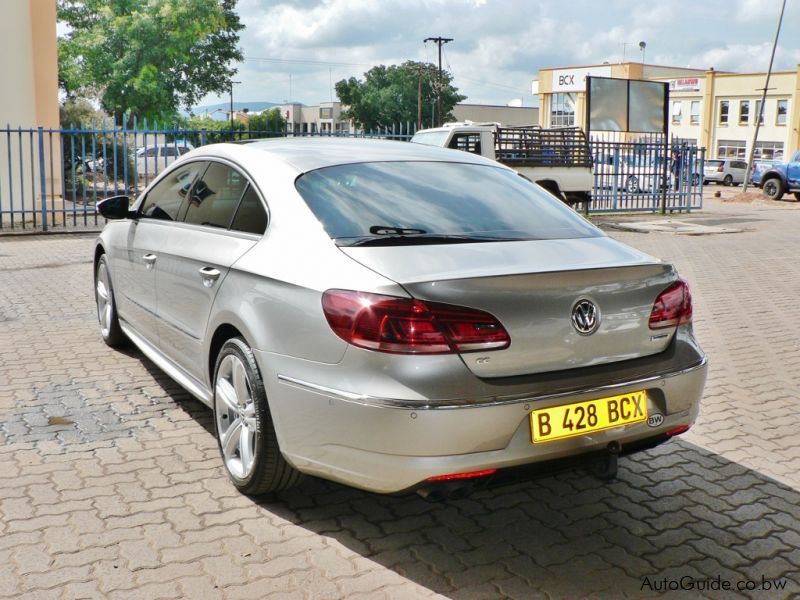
[
  {"x": 797, "y": 195},
  {"x": 727, "y": 181},
  {"x": 106, "y": 306},
  {"x": 773, "y": 188},
  {"x": 243, "y": 424},
  {"x": 632, "y": 184}
]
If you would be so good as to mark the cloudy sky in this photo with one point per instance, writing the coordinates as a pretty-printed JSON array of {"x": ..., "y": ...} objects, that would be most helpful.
[{"x": 296, "y": 49}]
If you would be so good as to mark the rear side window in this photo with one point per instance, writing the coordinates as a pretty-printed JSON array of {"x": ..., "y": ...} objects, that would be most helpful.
[
  {"x": 214, "y": 197},
  {"x": 165, "y": 199},
  {"x": 400, "y": 200},
  {"x": 251, "y": 216}
]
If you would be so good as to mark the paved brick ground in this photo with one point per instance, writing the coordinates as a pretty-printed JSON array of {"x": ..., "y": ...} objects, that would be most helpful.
[{"x": 111, "y": 487}]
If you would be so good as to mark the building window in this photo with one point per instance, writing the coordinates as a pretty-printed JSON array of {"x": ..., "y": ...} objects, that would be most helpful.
[
  {"x": 759, "y": 113},
  {"x": 768, "y": 151},
  {"x": 562, "y": 110},
  {"x": 724, "y": 106},
  {"x": 744, "y": 112},
  {"x": 731, "y": 149},
  {"x": 783, "y": 109},
  {"x": 676, "y": 112},
  {"x": 695, "y": 115}
]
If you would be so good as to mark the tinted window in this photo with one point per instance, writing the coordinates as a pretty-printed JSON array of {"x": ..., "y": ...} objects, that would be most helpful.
[
  {"x": 214, "y": 197},
  {"x": 169, "y": 151},
  {"x": 251, "y": 216},
  {"x": 364, "y": 201},
  {"x": 468, "y": 142},
  {"x": 151, "y": 151},
  {"x": 713, "y": 163},
  {"x": 164, "y": 200}
]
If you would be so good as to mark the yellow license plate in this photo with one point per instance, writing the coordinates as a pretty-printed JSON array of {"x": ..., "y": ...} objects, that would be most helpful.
[{"x": 570, "y": 420}]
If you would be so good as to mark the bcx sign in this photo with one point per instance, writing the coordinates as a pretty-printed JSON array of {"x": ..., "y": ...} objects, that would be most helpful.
[{"x": 574, "y": 80}]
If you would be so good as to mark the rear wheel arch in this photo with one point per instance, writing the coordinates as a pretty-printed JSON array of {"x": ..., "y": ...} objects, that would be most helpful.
[{"x": 223, "y": 333}]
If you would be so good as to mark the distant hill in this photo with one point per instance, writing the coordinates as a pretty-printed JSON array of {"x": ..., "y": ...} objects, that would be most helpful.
[{"x": 222, "y": 109}]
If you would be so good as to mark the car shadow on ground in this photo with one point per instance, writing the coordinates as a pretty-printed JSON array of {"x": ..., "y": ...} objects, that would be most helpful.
[{"x": 676, "y": 516}]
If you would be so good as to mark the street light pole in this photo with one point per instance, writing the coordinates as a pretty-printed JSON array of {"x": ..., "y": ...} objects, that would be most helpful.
[{"x": 440, "y": 41}]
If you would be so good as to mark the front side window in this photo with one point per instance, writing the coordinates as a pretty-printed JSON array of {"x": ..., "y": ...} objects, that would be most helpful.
[
  {"x": 783, "y": 109},
  {"x": 562, "y": 110},
  {"x": 404, "y": 203},
  {"x": 214, "y": 197},
  {"x": 744, "y": 112},
  {"x": 165, "y": 199},
  {"x": 724, "y": 107}
]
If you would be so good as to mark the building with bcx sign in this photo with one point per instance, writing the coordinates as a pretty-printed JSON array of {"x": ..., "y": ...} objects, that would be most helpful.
[{"x": 715, "y": 110}]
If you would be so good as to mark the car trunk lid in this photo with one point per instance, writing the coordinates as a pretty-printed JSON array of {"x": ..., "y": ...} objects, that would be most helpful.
[{"x": 533, "y": 287}]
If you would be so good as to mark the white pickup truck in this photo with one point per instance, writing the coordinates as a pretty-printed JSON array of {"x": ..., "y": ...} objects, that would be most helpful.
[{"x": 559, "y": 160}]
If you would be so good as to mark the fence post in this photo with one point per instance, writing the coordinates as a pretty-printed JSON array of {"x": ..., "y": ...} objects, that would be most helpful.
[{"x": 42, "y": 179}]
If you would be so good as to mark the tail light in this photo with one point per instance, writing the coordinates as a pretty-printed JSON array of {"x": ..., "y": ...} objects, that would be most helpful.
[
  {"x": 672, "y": 307},
  {"x": 408, "y": 326},
  {"x": 721, "y": 168}
]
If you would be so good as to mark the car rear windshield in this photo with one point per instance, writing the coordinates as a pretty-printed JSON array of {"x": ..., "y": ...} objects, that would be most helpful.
[
  {"x": 714, "y": 163},
  {"x": 443, "y": 202}
]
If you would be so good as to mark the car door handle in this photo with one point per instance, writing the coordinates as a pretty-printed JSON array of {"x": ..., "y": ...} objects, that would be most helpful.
[
  {"x": 149, "y": 260},
  {"x": 209, "y": 275}
]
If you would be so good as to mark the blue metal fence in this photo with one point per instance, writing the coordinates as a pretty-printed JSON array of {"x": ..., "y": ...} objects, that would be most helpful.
[{"x": 51, "y": 179}]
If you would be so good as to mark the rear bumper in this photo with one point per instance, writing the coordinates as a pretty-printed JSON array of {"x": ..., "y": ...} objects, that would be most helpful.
[{"x": 388, "y": 444}]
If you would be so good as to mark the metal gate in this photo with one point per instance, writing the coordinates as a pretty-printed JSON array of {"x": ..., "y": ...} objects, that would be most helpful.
[{"x": 646, "y": 176}]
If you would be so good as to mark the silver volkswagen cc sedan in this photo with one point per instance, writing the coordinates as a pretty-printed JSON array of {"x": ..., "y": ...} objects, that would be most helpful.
[{"x": 393, "y": 316}]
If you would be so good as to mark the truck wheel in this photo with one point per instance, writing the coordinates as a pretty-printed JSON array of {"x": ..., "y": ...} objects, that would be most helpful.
[
  {"x": 773, "y": 188},
  {"x": 728, "y": 181}
]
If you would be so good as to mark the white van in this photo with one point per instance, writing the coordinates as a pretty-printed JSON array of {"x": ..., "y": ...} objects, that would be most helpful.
[{"x": 152, "y": 159}]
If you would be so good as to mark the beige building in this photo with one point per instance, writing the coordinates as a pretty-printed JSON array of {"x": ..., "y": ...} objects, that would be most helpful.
[
  {"x": 715, "y": 110},
  {"x": 29, "y": 70}
]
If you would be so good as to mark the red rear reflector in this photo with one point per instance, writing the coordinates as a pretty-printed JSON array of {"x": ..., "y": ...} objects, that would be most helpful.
[
  {"x": 672, "y": 307},
  {"x": 470, "y": 475},
  {"x": 678, "y": 430},
  {"x": 408, "y": 326}
]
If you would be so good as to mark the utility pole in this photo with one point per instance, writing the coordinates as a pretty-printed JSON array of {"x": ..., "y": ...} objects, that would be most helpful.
[
  {"x": 763, "y": 101},
  {"x": 231, "y": 90},
  {"x": 440, "y": 41},
  {"x": 419, "y": 97}
]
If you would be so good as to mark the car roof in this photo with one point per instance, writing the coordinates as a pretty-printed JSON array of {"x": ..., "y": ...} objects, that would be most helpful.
[{"x": 310, "y": 153}]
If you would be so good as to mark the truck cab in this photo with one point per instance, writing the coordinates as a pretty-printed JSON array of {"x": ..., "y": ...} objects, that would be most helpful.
[{"x": 559, "y": 160}]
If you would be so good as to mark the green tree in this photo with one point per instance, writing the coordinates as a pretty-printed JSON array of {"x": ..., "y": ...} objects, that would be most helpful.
[
  {"x": 268, "y": 121},
  {"x": 388, "y": 95},
  {"x": 148, "y": 57}
]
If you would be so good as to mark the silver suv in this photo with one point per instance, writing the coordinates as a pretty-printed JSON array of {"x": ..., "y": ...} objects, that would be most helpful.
[{"x": 727, "y": 171}]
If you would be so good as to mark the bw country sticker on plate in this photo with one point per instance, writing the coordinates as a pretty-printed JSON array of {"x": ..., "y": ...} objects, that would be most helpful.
[{"x": 570, "y": 420}]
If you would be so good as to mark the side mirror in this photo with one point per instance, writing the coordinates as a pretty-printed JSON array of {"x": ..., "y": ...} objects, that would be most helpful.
[{"x": 114, "y": 208}]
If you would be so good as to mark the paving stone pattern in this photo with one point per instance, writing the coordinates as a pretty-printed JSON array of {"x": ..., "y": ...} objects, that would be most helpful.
[{"x": 111, "y": 485}]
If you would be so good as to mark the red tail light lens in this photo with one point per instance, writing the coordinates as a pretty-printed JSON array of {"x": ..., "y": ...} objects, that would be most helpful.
[
  {"x": 720, "y": 168},
  {"x": 408, "y": 326},
  {"x": 672, "y": 307}
]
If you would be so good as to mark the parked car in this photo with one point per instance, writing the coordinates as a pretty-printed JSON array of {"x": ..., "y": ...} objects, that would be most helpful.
[
  {"x": 394, "y": 316},
  {"x": 777, "y": 178},
  {"x": 152, "y": 159},
  {"x": 727, "y": 171}
]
